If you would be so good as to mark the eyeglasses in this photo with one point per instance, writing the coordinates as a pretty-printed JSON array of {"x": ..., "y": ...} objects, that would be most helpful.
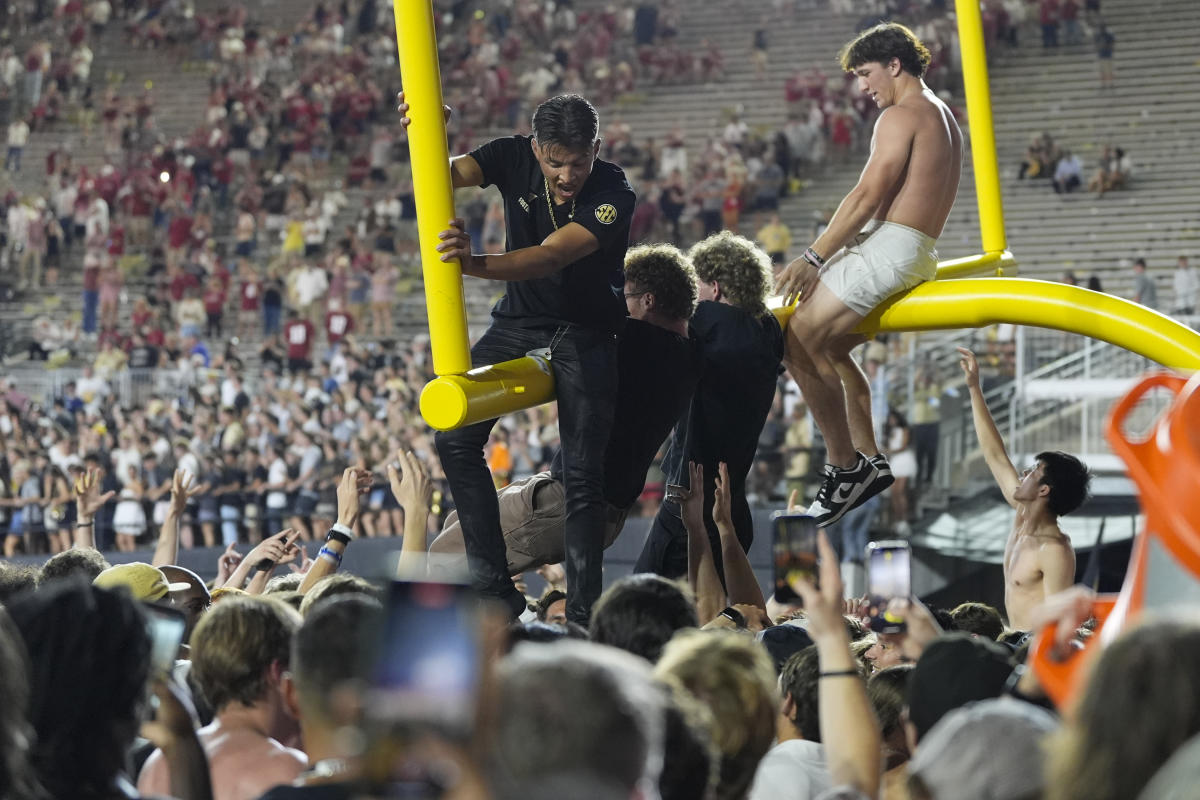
[{"x": 636, "y": 294}]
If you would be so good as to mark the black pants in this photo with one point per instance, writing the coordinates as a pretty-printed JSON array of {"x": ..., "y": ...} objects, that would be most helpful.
[
  {"x": 925, "y": 444},
  {"x": 666, "y": 550},
  {"x": 585, "y": 383}
]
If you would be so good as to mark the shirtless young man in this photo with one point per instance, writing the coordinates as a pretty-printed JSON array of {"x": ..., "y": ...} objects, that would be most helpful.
[
  {"x": 902, "y": 198},
  {"x": 1038, "y": 558}
]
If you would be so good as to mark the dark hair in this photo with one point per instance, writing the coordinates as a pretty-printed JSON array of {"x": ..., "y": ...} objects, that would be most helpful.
[
  {"x": 1068, "y": 479},
  {"x": 15, "y": 580},
  {"x": 330, "y": 648},
  {"x": 551, "y": 597},
  {"x": 568, "y": 121},
  {"x": 640, "y": 613},
  {"x": 537, "y": 632},
  {"x": 944, "y": 619},
  {"x": 664, "y": 272},
  {"x": 89, "y": 655},
  {"x": 82, "y": 561},
  {"x": 881, "y": 44},
  {"x": 17, "y": 779},
  {"x": 979, "y": 619},
  {"x": 798, "y": 680}
]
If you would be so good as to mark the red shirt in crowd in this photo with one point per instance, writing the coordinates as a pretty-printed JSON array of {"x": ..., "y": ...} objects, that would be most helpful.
[
  {"x": 337, "y": 325},
  {"x": 180, "y": 284},
  {"x": 251, "y": 295},
  {"x": 179, "y": 231},
  {"x": 214, "y": 301},
  {"x": 298, "y": 333}
]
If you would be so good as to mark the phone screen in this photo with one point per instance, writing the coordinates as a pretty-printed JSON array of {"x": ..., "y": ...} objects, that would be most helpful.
[
  {"x": 166, "y": 627},
  {"x": 889, "y": 575},
  {"x": 427, "y": 668},
  {"x": 794, "y": 554}
]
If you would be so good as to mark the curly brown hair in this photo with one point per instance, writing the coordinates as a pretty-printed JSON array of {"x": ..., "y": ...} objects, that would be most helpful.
[
  {"x": 663, "y": 271},
  {"x": 742, "y": 268}
]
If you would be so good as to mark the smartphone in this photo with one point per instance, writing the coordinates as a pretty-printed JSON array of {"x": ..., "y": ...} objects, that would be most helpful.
[
  {"x": 794, "y": 551},
  {"x": 166, "y": 627},
  {"x": 889, "y": 575},
  {"x": 427, "y": 665}
]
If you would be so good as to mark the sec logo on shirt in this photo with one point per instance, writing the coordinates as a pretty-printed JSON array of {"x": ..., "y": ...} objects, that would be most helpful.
[{"x": 606, "y": 213}]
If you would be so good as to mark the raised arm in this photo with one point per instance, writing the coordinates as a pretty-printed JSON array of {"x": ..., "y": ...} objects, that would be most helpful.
[
  {"x": 740, "y": 582},
  {"x": 166, "y": 551},
  {"x": 990, "y": 441},
  {"x": 354, "y": 483},
  {"x": 88, "y": 501},
  {"x": 702, "y": 570},
  {"x": 264, "y": 550},
  {"x": 277, "y": 552},
  {"x": 849, "y": 729},
  {"x": 464, "y": 170},
  {"x": 414, "y": 492}
]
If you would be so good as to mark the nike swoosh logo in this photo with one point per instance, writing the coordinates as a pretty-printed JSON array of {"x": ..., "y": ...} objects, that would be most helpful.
[{"x": 842, "y": 493}]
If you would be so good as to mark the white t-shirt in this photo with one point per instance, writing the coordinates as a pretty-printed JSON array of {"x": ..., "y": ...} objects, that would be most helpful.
[
  {"x": 792, "y": 770},
  {"x": 277, "y": 473}
]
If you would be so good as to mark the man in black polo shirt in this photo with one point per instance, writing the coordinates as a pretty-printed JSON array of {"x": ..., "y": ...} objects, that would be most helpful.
[
  {"x": 659, "y": 367},
  {"x": 567, "y": 216},
  {"x": 742, "y": 347}
]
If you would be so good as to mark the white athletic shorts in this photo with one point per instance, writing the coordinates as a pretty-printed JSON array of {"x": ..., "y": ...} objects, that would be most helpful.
[{"x": 885, "y": 258}]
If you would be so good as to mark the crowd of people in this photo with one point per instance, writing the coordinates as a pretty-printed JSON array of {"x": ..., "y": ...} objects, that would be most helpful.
[{"x": 306, "y": 683}]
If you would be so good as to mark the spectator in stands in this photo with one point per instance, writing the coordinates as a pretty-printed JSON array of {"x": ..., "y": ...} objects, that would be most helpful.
[
  {"x": 1145, "y": 290},
  {"x": 1105, "y": 45},
  {"x": 775, "y": 238},
  {"x": 1068, "y": 174},
  {"x": 899, "y": 449},
  {"x": 18, "y": 137},
  {"x": 1187, "y": 287}
]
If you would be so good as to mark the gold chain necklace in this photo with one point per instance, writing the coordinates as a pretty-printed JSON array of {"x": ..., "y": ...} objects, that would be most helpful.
[{"x": 550, "y": 204}]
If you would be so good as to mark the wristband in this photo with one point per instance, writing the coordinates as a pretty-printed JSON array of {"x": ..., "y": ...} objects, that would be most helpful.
[
  {"x": 736, "y": 616},
  {"x": 264, "y": 564},
  {"x": 811, "y": 257},
  {"x": 840, "y": 673},
  {"x": 339, "y": 533},
  {"x": 331, "y": 556},
  {"x": 85, "y": 524}
]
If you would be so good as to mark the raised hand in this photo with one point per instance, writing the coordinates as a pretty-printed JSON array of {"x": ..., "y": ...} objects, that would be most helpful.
[
  {"x": 410, "y": 483},
  {"x": 824, "y": 606},
  {"x": 227, "y": 563},
  {"x": 722, "y": 503},
  {"x": 354, "y": 484},
  {"x": 88, "y": 499},
  {"x": 182, "y": 490},
  {"x": 970, "y": 367},
  {"x": 690, "y": 499}
]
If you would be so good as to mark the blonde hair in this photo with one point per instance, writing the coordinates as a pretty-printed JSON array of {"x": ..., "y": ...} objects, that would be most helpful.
[
  {"x": 733, "y": 676},
  {"x": 742, "y": 268},
  {"x": 234, "y": 645}
]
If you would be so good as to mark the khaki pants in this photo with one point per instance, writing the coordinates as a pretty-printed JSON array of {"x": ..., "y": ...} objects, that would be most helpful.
[{"x": 532, "y": 516}]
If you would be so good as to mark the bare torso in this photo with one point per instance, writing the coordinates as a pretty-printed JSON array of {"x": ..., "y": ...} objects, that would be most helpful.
[
  {"x": 924, "y": 194},
  {"x": 1030, "y": 553},
  {"x": 243, "y": 763}
]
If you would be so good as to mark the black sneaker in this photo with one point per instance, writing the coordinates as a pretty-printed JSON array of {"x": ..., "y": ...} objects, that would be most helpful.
[
  {"x": 881, "y": 480},
  {"x": 840, "y": 491}
]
